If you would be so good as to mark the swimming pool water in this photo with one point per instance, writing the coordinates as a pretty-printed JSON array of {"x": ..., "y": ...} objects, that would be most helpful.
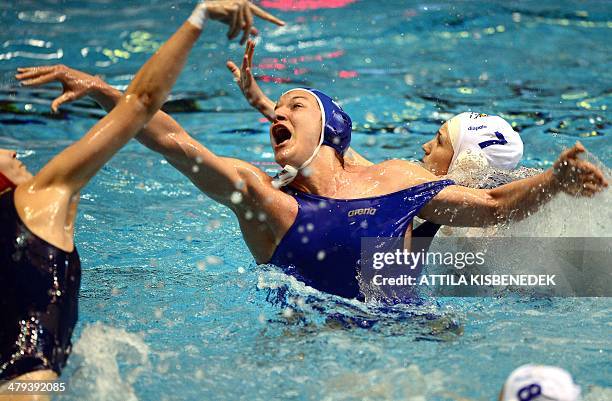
[{"x": 172, "y": 306}]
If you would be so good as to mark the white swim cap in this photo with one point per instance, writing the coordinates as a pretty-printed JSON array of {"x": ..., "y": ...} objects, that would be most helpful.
[
  {"x": 540, "y": 383},
  {"x": 485, "y": 137}
]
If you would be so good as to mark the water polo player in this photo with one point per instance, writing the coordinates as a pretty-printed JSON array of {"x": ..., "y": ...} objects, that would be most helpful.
[
  {"x": 39, "y": 264},
  {"x": 313, "y": 215}
]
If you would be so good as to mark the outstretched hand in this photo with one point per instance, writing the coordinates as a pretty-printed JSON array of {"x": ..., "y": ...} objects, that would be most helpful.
[
  {"x": 244, "y": 75},
  {"x": 247, "y": 84},
  {"x": 578, "y": 177},
  {"x": 238, "y": 14},
  {"x": 76, "y": 84}
]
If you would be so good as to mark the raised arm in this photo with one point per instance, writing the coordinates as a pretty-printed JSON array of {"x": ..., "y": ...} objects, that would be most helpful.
[
  {"x": 467, "y": 207},
  {"x": 258, "y": 100},
  {"x": 247, "y": 84},
  {"x": 214, "y": 175},
  {"x": 78, "y": 163},
  {"x": 47, "y": 202}
]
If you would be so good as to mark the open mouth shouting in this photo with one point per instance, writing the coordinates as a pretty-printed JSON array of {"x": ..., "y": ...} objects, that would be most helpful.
[{"x": 280, "y": 135}]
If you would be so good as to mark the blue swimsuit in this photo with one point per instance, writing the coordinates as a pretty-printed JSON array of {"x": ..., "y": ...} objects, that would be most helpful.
[{"x": 323, "y": 246}]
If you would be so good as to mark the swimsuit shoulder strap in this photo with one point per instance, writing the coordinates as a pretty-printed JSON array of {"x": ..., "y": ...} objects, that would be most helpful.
[{"x": 435, "y": 186}]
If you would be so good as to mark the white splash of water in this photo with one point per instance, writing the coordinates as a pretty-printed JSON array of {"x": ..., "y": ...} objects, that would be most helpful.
[
  {"x": 407, "y": 383},
  {"x": 563, "y": 216},
  {"x": 98, "y": 353}
]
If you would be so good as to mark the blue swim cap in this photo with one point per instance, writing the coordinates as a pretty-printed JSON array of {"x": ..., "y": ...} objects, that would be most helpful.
[
  {"x": 335, "y": 132},
  {"x": 337, "y": 125}
]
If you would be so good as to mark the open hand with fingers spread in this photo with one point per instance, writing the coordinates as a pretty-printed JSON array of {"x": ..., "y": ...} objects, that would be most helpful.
[
  {"x": 238, "y": 14},
  {"x": 76, "y": 84},
  {"x": 578, "y": 177},
  {"x": 246, "y": 81}
]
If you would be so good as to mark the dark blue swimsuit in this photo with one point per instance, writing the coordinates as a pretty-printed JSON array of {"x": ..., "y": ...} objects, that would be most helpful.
[{"x": 323, "y": 246}]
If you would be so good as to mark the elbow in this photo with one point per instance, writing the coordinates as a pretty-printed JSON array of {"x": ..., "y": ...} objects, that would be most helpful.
[
  {"x": 503, "y": 212},
  {"x": 146, "y": 95},
  {"x": 148, "y": 102},
  {"x": 497, "y": 211}
]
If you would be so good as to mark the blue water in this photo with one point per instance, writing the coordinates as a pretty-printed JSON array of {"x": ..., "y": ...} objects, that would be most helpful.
[{"x": 172, "y": 306}]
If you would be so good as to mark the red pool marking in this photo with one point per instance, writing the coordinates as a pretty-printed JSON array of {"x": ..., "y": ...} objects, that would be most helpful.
[
  {"x": 276, "y": 80},
  {"x": 301, "y": 5},
  {"x": 274, "y": 63},
  {"x": 268, "y": 63},
  {"x": 272, "y": 66},
  {"x": 347, "y": 74}
]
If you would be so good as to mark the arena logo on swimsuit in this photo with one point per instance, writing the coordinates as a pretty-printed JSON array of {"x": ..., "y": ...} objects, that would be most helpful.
[{"x": 358, "y": 212}]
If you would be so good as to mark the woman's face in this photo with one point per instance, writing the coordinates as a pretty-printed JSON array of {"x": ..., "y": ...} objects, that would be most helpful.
[
  {"x": 297, "y": 129},
  {"x": 438, "y": 152},
  {"x": 12, "y": 168}
]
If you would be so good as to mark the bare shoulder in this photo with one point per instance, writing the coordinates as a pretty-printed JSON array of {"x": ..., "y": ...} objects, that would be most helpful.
[
  {"x": 403, "y": 172},
  {"x": 48, "y": 212},
  {"x": 398, "y": 164},
  {"x": 250, "y": 174},
  {"x": 257, "y": 184}
]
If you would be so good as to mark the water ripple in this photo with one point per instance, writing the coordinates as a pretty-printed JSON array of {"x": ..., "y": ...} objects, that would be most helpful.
[
  {"x": 35, "y": 56},
  {"x": 29, "y": 48},
  {"x": 42, "y": 17}
]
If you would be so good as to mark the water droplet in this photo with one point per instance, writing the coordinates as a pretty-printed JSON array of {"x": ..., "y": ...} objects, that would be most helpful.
[
  {"x": 321, "y": 255},
  {"x": 287, "y": 313},
  {"x": 201, "y": 265},
  {"x": 241, "y": 270},
  {"x": 213, "y": 225},
  {"x": 309, "y": 227},
  {"x": 236, "y": 197},
  {"x": 195, "y": 168},
  {"x": 307, "y": 171},
  {"x": 213, "y": 260}
]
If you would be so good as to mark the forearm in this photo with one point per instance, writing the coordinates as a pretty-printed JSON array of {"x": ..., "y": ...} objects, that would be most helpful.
[
  {"x": 155, "y": 134},
  {"x": 153, "y": 82},
  {"x": 75, "y": 166},
  {"x": 519, "y": 199},
  {"x": 468, "y": 207},
  {"x": 105, "y": 95},
  {"x": 265, "y": 106}
]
